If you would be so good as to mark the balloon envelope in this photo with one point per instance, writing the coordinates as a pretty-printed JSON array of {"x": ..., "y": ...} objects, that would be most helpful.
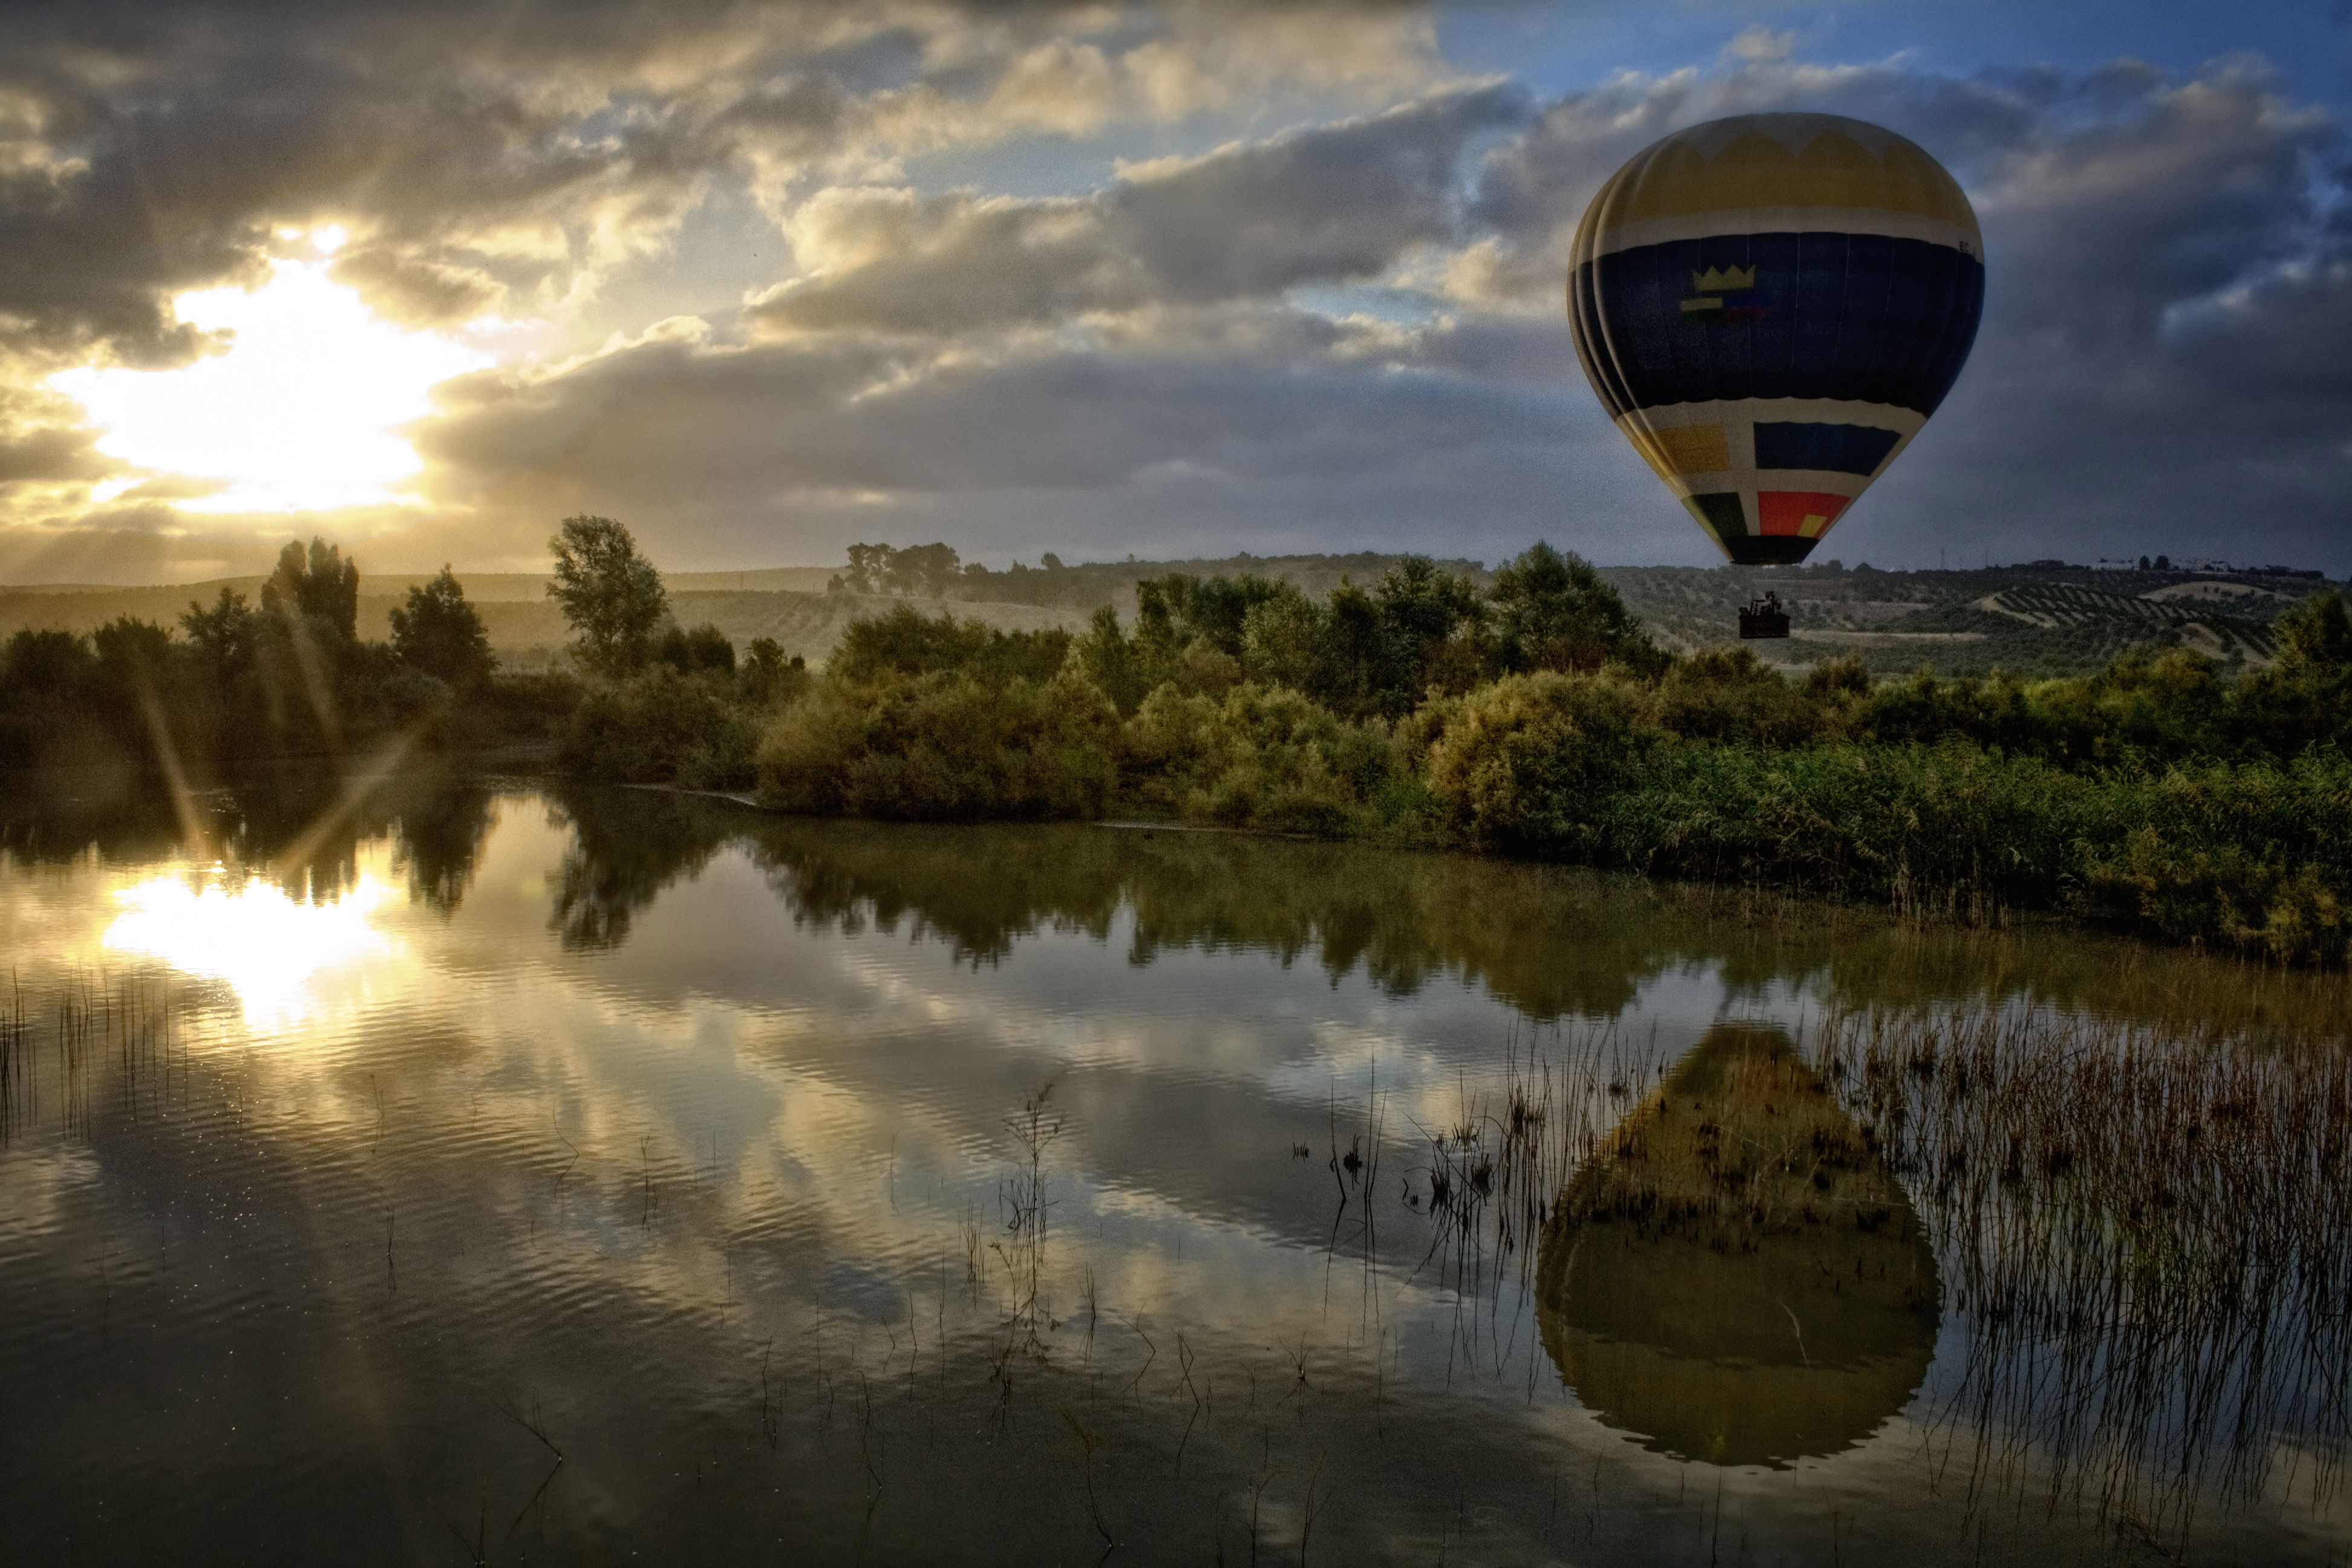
[{"x": 1770, "y": 307}]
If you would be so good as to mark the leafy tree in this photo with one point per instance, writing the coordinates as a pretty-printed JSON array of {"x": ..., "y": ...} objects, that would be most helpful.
[
  {"x": 923, "y": 569},
  {"x": 316, "y": 584},
  {"x": 1111, "y": 659},
  {"x": 438, "y": 632},
  {"x": 768, "y": 675},
  {"x": 611, "y": 594},
  {"x": 1431, "y": 634},
  {"x": 1554, "y": 612},
  {"x": 51, "y": 662},
  {"x": 869, "y": 568},
  {"x": 2315, "y": 636},
  {"x": 133, "y": 659},
  {"x": 704, "y": 648},
  {"x": 907, "y": 642},
  {"x": 223, "y": 635}
]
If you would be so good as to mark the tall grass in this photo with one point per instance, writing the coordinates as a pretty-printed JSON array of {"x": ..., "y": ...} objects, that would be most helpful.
[{"x": 2146, "y": 1240}]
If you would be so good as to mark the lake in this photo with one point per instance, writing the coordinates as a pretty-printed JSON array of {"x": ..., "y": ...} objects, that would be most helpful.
[{"x": 436, "y": 1169}]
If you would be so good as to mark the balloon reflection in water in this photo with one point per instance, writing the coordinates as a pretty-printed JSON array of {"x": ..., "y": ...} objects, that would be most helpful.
[{"x": 1735, "y": 1275}]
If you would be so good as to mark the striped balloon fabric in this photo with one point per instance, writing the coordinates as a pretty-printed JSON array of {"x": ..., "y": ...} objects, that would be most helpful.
[{"x": 1770, "y": 306}]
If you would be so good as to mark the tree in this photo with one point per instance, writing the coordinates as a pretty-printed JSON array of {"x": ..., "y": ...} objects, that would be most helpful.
[
  {"x": 316, "y": 585},
  {"x": 1554, "y": 612},
  {"x": 438, "y": 632},
  {"x": 53, "y": 662},
  {"x": 869, "y": 567},
  {"x": 223, "y": 635},
  {"x": 132, "y": 657},
  {"x": 611, "y": 594},
  {"x": 705, "y": 647},
  {"x": 2315, "y": 636},
  {"x": 923, "y": 569}
]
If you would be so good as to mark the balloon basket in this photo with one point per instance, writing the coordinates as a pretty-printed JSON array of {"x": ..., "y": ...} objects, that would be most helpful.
[{"x": 1763, "y": 617}]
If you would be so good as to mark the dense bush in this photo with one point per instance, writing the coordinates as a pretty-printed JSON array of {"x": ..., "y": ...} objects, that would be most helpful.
[
  {"x": 661, "y": 727},
  {"x": 2153, "y": 797},
  {"x": 943, "y": 746},
  {"x": 290, "y": 677}
]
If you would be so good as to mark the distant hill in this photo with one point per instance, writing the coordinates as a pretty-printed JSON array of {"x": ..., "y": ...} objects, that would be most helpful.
[{"x": 2035, "y": 620}]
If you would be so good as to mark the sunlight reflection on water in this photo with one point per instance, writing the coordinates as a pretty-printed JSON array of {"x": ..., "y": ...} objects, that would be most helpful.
[
  {"x": 269, "y": 948},
  {"x": 687, "y": 1139}
]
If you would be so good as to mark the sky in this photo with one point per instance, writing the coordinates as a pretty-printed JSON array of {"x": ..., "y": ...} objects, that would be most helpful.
[{"x": 426, "y": 276}]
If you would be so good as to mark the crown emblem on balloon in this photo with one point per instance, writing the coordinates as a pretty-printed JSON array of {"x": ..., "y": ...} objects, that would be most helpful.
[{"x": 1723, "y": 281}]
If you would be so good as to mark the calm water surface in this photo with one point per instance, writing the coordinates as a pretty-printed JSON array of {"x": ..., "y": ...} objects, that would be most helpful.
[{"x": 473, "y": 1172}]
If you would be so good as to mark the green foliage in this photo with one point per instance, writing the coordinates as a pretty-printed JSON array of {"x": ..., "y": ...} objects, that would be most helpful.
[
  {"x": 1256, "y": 756},
  {"x": 317, "y": 585},
  {"x": 1726, "y": 696},
  {"x": 611, "y": 596},
  {"x": 438, "y": 632},
  {"x": 1554, "y": 612},
  {"x": 49, "y": 663},
  {"x": 223, "y": 635},
  {"x": 286, "y": 680},
  {"x": 705, "y": 648},
  {"x": 768, "y": 679},
  {"x": 1518, "y": 762},
  {"x": 660, "y": 727},
  {"x": 930, "y": 569},
  {"x": 2314, "y": 638},
  {"x": 943, "y": 746},
  {"x": 907, "y": 642},
  {"x": 2155, "y": 796}
]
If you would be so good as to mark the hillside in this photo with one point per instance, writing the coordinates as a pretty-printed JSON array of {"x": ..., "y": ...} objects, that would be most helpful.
[{"x": 2040, "y": 619}]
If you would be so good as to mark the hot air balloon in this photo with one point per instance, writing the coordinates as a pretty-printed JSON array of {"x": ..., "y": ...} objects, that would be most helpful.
[{"x": 1770, "y": 307}]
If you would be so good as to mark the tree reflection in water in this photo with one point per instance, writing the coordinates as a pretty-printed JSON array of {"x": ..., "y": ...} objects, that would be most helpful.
[{"x": 1954, "y": 1244}]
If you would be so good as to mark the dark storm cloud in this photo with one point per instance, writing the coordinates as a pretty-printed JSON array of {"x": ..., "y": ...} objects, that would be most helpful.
[{"x": 1330, "y": 205}]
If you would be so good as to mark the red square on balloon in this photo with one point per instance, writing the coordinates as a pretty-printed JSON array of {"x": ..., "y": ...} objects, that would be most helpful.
[{"x": 1807, "y": 513}]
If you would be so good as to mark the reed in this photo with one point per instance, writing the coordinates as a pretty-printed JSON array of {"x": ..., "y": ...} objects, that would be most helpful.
[{"x": 2145, "y": 1238}]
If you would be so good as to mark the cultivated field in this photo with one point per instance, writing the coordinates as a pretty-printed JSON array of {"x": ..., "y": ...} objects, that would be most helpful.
[{"x": 2030, "y": 620}]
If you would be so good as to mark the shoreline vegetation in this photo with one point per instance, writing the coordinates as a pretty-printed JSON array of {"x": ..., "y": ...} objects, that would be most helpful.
[{"x": 1532, "y": 718}]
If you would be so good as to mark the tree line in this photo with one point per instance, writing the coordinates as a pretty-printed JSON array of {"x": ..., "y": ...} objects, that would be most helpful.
[{"x": 1533, "y": 717}]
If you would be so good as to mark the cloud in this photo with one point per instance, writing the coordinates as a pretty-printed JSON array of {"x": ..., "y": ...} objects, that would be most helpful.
[
  {"x": 517, "y": 156},
  {"x": 2162, "y": 363},
  {"x": 1334, "y": 333},
  {"x": 1332, "y": 204}
]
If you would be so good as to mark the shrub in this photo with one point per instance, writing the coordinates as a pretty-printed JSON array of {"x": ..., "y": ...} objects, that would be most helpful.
[
  {"x": 943, "y": 746},
  {"x": 1725, "y": 695},
  {"x": 1522, "y": 761},
  {"x": 907, "y": 642},
  {"x": 1253, "y": 757},
  {"x": 659, "y": 727}
]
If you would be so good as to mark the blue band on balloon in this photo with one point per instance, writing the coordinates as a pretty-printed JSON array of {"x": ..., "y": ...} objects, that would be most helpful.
[
  {"x": 1858, "y": 317},
  {"x": 1825, "y": 449}
]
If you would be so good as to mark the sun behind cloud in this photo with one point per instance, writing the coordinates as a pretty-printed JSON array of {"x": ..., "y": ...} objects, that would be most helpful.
[{"x": 302, "y": 413}]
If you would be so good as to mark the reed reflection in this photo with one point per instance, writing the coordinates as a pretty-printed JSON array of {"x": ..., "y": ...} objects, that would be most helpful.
[{"x": 1735, "y": 1276}]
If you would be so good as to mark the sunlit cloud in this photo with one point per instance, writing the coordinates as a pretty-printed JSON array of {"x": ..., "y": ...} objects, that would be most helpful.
[
  {"x": 269, "y": 947},
  {"x": 302, "y": 413}
]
